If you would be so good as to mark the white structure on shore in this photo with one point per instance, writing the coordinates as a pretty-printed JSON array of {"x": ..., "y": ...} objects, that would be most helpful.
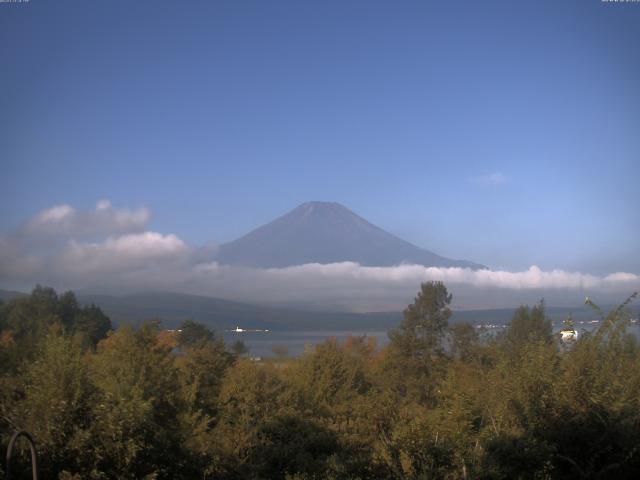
[{"x": 568, "y": 335}]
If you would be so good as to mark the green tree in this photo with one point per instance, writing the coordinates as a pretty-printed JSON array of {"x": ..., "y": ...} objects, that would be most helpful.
[
  {"x": 527, "y": 325},
  {"x": 194, "y": 333},
  {"x": 464, "y": 341},
  {"x": 251, "y": 395},
  {"x": 239, "y": 348},
  {"x": 56, "y": 407},
  {"x": 416, "y": 350},
  {"x": 67, "y": 308},
  {"x": 137, "y": 428},
  {"x": 331, "y": 379},
  {"x": 425, "y": 321},
  {"x": 29, "y": 318},
  {"x": 290, "y": 445},
  {"x": 92, "y": 324},
  {"x": 202, "y": 368}
]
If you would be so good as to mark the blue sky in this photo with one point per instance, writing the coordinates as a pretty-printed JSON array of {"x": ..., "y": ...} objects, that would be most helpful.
[{"x": 507, "y": 133}]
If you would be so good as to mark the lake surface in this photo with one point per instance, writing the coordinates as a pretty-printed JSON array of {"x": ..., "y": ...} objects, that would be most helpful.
[{"x": 262, "y": 344}]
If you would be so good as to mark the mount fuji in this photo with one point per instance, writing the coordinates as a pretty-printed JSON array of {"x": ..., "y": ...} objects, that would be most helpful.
[{"x": 326, "y": 232}]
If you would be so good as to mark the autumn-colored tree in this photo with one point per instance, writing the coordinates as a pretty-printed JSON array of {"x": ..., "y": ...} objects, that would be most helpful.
[
  {"x": 57, "y": 403},
  {"x": 136, "y": 426},
  {"x": 437, "y": 402},
  {"x": 251, "y": 396}
]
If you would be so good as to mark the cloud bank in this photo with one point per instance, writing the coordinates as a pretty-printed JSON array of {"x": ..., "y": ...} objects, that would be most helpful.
[
  {"x": 533, "y": 278},
  {"x": 109, "y": 248}
]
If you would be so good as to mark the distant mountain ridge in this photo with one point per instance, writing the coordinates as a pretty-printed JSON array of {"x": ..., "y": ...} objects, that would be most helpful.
[
  {"x": 220, "y": 314},
  {"x": 7, "y": 295},
  {"x": 326, "y": 232}
]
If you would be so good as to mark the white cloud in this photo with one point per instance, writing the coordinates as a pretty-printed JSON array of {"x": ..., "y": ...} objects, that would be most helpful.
[
  {"x": 495, "y": 178},
  {"x": 531, "y": 279},
  {"x": 55, "y": 214},
  {"x": 66, "y": 221},
  {"x": 140, "y": 260},
  {"x": 103, "y": 204},
  {"x": 379, "y": 288},
  {"x": 621, "y": 277},
  {"x": 122, "y": 254},
  {"x": 51, "y": 245}
]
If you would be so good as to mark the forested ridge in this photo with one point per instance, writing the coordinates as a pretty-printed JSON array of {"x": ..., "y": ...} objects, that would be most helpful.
[{"x": 440, "y": 401}]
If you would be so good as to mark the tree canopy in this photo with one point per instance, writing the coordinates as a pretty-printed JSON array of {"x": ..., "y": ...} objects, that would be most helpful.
[{"x": 440, "y": 401}]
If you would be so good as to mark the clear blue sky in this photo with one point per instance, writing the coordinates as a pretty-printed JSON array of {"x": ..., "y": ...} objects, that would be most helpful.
[{"x": 507, "y": 133}]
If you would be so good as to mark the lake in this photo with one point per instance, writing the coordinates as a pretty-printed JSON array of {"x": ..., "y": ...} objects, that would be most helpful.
[{"x": 262, "y": 344}]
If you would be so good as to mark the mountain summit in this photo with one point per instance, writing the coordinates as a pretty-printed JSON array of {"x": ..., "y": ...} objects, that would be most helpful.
[{"x": 326, "y": 232}]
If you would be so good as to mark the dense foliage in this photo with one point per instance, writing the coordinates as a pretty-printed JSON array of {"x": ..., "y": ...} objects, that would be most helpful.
[{"x": 441, "y": 401}]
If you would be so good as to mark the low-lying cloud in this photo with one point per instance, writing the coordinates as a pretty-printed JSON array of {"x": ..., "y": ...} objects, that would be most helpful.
[
  {"x": 354, "y": 286},
  {"x": 59, "y": 247},
  {"x": 533, "y": 278}
]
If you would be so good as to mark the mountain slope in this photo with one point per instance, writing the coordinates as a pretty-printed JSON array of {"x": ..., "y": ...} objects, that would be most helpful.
[
  {"x": 7, "y": 295},
  {"x": 219, "y": 314},
  {"x": 323, "y": 232}
]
